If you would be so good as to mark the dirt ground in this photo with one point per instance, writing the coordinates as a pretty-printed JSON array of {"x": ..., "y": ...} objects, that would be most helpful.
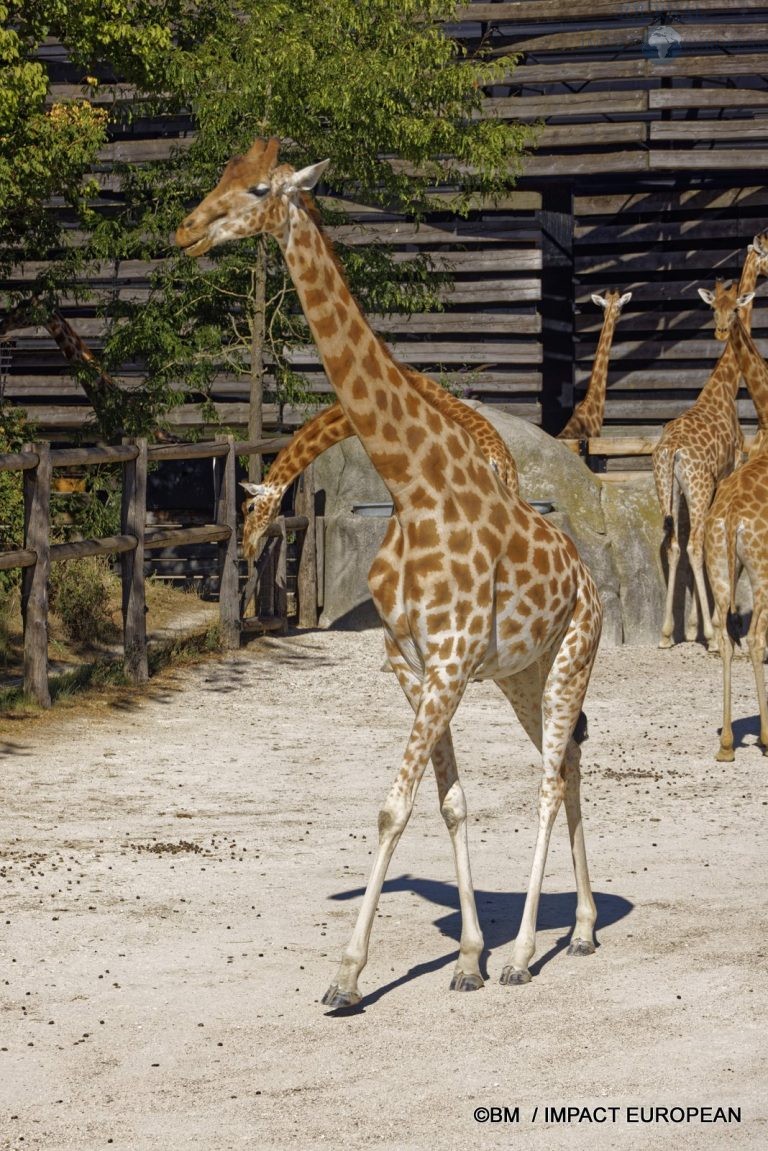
[{"x": 180, "y": 873}]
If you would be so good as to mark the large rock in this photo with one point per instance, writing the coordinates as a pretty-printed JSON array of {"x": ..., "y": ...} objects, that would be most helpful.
[{"x": 617, "y": 529}]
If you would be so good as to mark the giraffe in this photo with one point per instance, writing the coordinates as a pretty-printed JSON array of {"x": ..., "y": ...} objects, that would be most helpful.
[
  {"x": 587, "y": 417},
  {"x": 470, "y": 581},
  {"x": 330, "y": 427},
  {"x": 736, "y": 526},
  {"x": 95, "y": 382},
  {"x": 697, "y": 450}
]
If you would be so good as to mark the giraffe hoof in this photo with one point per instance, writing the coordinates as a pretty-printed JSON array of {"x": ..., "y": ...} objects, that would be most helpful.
[
  {"x": 666, "y": 641},
  {"x": 337, "y": 999},
  {"x": 463, "y": 981},
  {"x": 725, "y": 755},
  {"x": 512, "y": 977},
  {"x": 581, "y": 947}
]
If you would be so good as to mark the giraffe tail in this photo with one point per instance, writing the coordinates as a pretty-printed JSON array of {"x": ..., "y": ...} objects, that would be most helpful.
[
  {"x": 733, "y": 621},
  {"x": 664, "y": 474}
]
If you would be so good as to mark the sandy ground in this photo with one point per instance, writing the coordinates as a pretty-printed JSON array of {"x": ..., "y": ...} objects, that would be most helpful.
[{"x": 180, "y": 873}]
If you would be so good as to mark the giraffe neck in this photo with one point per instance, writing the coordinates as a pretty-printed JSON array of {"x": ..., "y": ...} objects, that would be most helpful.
[
  {"x": 326, "y": 429},
  {"x": 593, "y": 403},
  {"x": 392, "y": 420},
  {"x": 724, "y": 381},
  {"x": 754, "y": 369}
]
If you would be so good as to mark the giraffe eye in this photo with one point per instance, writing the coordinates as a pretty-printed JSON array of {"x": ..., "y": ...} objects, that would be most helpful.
[{"x": 259, "y": 190}]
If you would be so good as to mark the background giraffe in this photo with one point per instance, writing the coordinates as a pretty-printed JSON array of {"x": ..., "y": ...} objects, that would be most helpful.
[
  {"x": 330, "y": 427},
  {"x": 736, "y": 526},
  {"x": 694, "y": 453},
  {"x": 587, "y": 417},
  {"x": 470, "y": 581}
]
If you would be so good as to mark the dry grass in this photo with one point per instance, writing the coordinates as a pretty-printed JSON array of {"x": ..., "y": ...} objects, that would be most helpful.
[{"x": 88, "y": 675}]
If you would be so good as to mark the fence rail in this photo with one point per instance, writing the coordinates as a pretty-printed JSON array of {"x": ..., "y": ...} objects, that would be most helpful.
[{"x": 37, "y": 462}]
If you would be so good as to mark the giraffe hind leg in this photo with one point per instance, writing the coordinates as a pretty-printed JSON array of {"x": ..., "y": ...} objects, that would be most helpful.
[{"x": 561, "y": 701}]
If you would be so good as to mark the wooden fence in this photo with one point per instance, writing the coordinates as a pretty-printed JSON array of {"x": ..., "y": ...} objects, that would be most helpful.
[{"x": 37, "y": 462}]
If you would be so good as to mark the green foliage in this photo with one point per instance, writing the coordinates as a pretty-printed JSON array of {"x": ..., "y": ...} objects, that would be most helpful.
[
  {"x": 80, "y": 592},
  {"x": 15, "y": 431},
  {"x": 376, "y": 86}
]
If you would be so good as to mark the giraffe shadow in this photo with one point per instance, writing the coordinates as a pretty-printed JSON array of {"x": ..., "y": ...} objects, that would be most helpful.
[
  {"x": 743, "y": 729},
  {"x": 500, "y": 913}
]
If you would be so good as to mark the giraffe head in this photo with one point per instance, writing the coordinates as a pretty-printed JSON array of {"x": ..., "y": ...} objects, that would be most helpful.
[
  {"x": 759, "y": 247},
  {"x": 725, "y": 302},
  {"x": 253, "y": 195},
  {"x": 260, "y": 509},
  {"x": 612, "y": 302}
]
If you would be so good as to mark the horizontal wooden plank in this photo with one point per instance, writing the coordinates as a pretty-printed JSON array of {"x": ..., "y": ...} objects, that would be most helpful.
[
  {"x": 561, "y": 105},
  {"x": 659, "y": 378},
  {"x": 486, "y": 231},
  {"x": 659, "y": 98},
  {"x": 705, "y": 159},
  {"x": 577, "y": 135},
  {"x": 182, "y": 537},
  {"x": 80, "y": 549},
  {"x": 661, "y": 410},
  {"x": 672, "y": 349},
  {"x": 708, "y": 263},
  {"x": 487, "y": 323},
  {"x": 630, "y": 34},
  {"x": 705, "y": 130},
  {"x": 585, "y": 164},
  {"x": 20, "y": 558},
  {"x": 536, "y": 11},
  {"x": 664, "y": 229},
  {"x": 492, "y": 292},
  {"x": 694, "y": 201},
  {"x": 583, "y": 71}
]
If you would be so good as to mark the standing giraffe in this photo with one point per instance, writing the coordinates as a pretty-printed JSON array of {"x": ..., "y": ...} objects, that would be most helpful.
[
  {"x": 470, "y": 581},
  {"x": 736, "y": 527},
  {"x": 587, "y": 417},
  {"x": 330, "y": 427},
  {"x": 697, "y": 450}
]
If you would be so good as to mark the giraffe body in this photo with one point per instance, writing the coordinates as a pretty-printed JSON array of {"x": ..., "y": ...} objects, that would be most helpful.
[
  {"x": 736, "y": 526},
  {"x": 469, "y": 582},
  {"x": 695, "y": 452},
  {"x": 330, "y": 427},
  {"x": 587, "y": 418}
]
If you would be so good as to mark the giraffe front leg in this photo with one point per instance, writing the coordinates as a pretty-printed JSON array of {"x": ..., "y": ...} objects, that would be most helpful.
[
  {"x": 453, "y": 808},
  {"x": 438, "y": 700},
  {"x": 698, "y": 507},
  {"x": 756, "y": 644}
]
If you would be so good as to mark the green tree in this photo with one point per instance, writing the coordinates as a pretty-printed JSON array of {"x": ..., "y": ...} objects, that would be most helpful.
[{"x": 375, "y": 85}]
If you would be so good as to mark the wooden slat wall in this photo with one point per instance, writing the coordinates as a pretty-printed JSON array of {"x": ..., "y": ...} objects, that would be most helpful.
[
  {"x": 647, "y": 175},
  {"x": 485, "y": 343}
]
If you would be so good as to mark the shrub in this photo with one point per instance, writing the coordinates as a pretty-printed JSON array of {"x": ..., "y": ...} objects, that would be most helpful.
[{"x": 80, "y": 593}]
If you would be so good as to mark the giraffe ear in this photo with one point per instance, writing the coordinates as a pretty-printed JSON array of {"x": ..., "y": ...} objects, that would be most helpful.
[
  {"x": 625, "y": 299},
  {"x": 253, "y": 489},
  {"x": 742, "y": 301},
  {"x": 707, "y": 296},
  {"x": 599, "y": 300},
  {"x": 305, "y": 179}
]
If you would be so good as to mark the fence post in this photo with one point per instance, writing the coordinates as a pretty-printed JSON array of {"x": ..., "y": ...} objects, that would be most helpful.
[
  {"x": 134, "y": 520},
  {"x": 34, "y": 579},
  {"x": 307, "y": 577},
  {"x": 226, "y": 514}
]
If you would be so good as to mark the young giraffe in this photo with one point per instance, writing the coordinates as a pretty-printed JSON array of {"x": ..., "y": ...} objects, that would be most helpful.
[
  {"x": 587, "y": 417},
  {"x": 697, "y": 450},
  {"x": 470, "y": 581},
  {"x": 736, "y": 527},
  {"x": 330, "y": 427}
]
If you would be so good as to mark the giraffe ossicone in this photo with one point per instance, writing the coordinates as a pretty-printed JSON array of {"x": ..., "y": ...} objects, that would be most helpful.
[{"x": 470, "y": 581}]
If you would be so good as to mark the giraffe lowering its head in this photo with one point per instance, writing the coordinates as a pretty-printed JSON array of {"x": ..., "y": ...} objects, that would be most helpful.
[{"x": 470, "y": 581}]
